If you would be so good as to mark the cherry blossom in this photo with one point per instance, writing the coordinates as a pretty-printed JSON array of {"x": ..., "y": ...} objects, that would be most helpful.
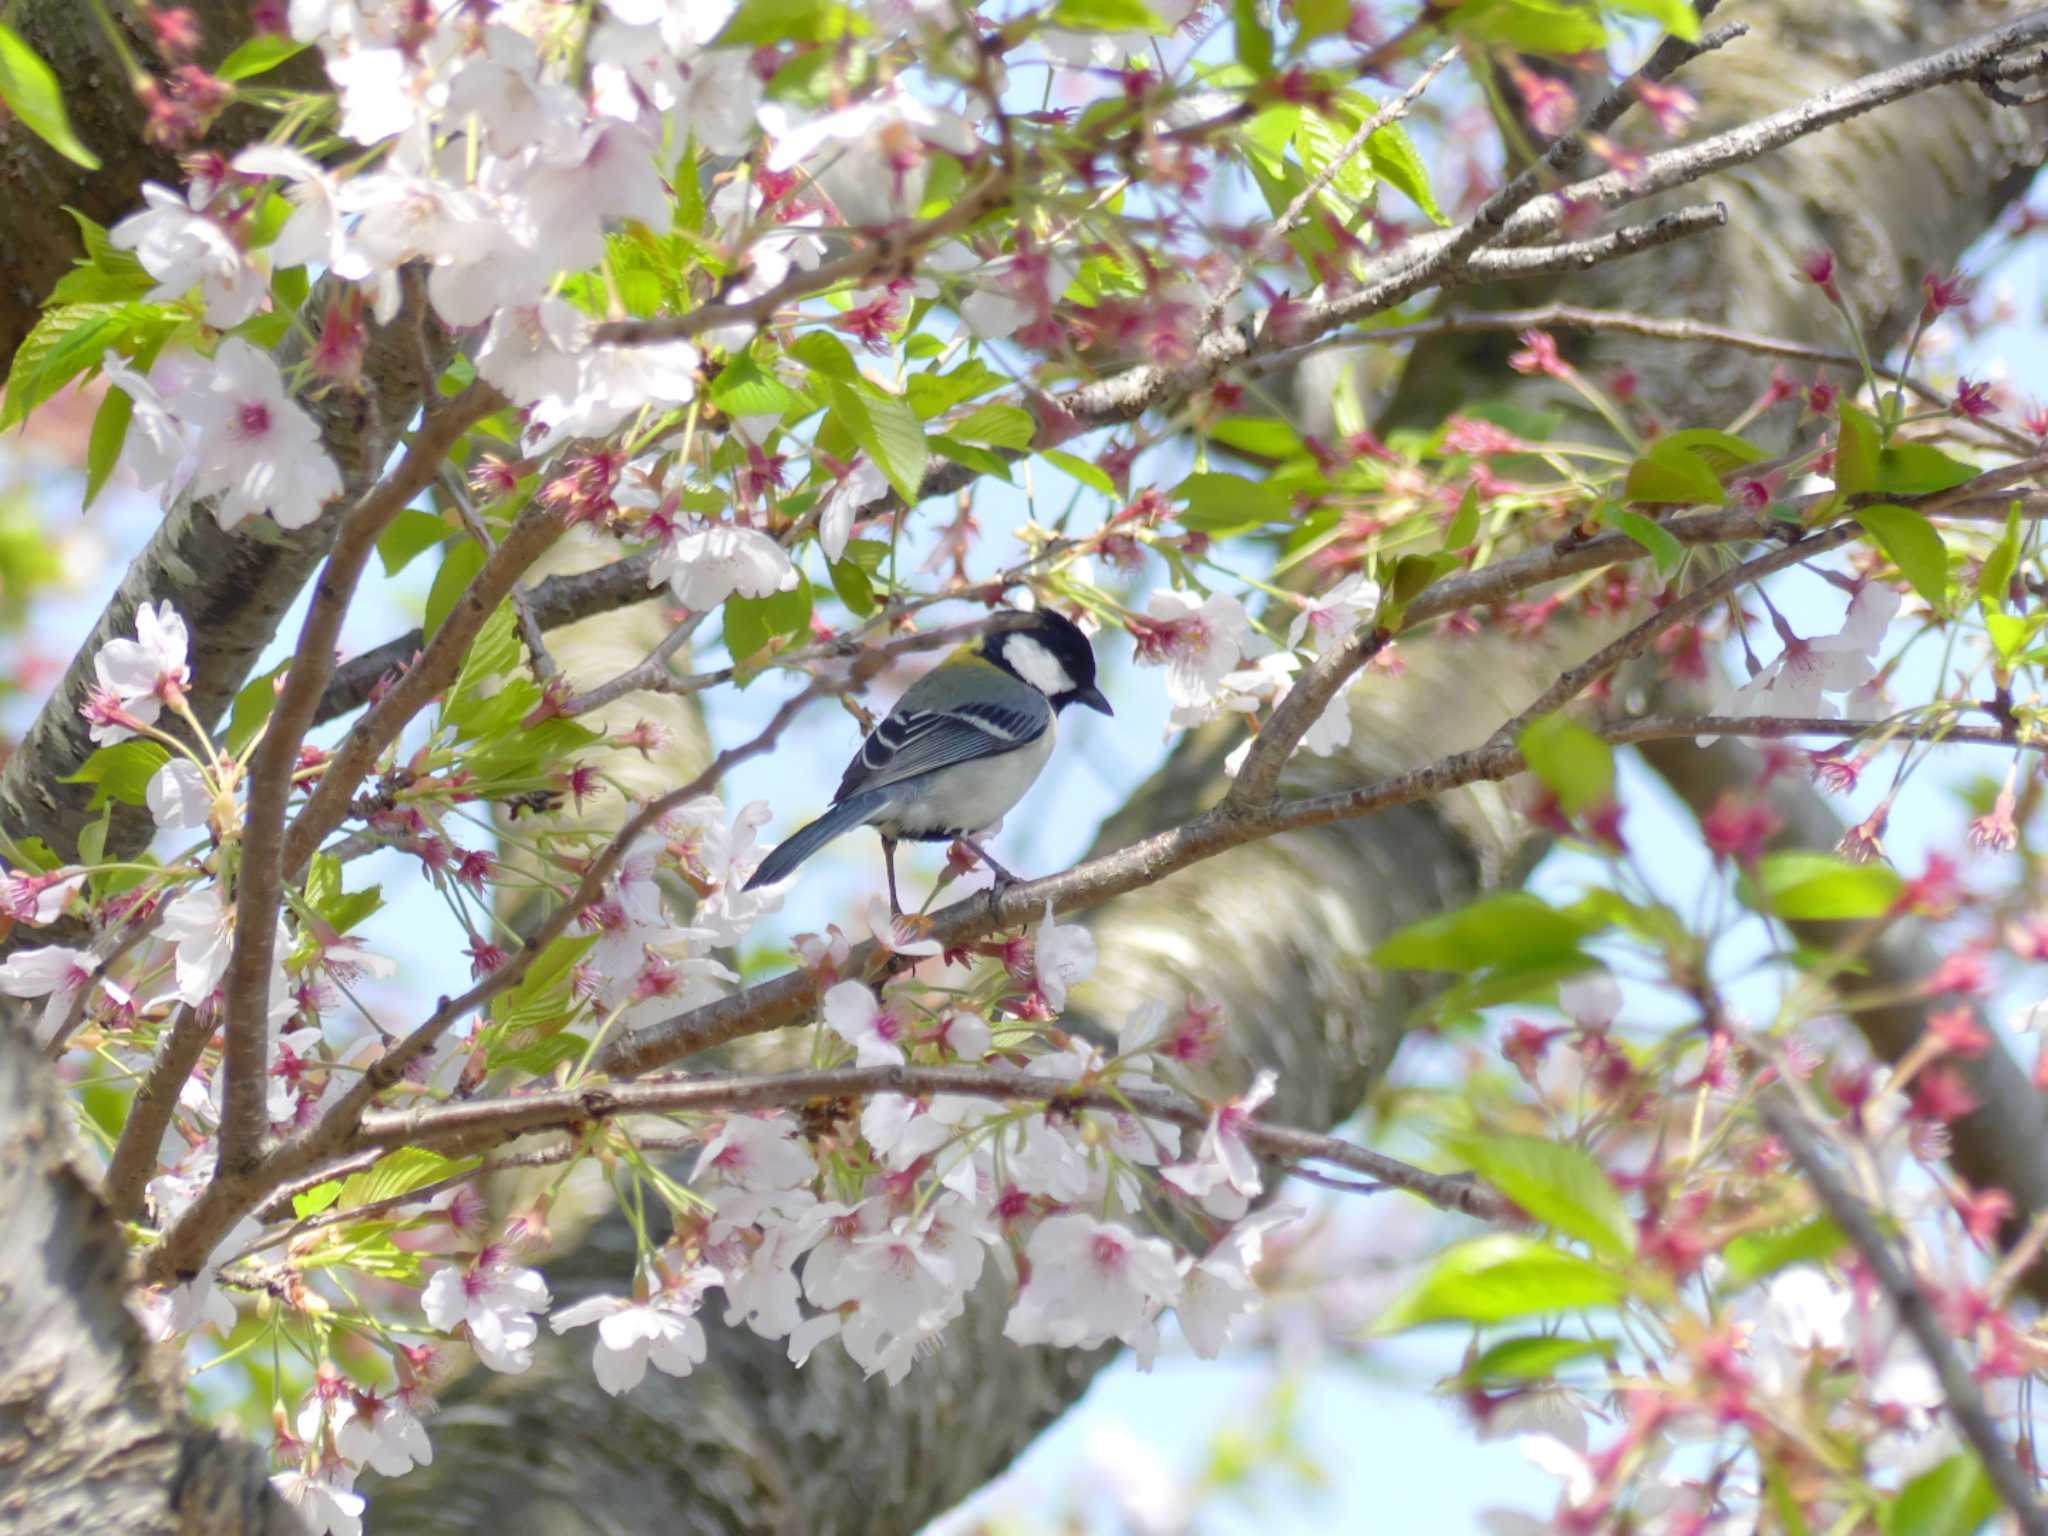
[
  {"x": 492, "y": 1301},
  {"x": 705, "y": 567},
  {"x": 1062, "y": 956},
  {"x": 157, "y": 452},
  {"x": 183, "y": 248},
  {"x": 1092, "y": 1281},
  {"x": 765, "y": 1153},
  {"x": 663, "y": 1332},
  {"x": 258, "y": 450},
  {"x": 179, "y": 796},
  {"x": 875, "y": 1033},
  {"x": 1218, "y": 1289},
  {"x": 1199, "y": 641},
  {"x": 324, "y": 1507},
  {"x": 54, "y": 972},
  {"x": 861, "y": 486},
  {"x": 314, "y": 234},
  {"x": 138, "y": 677},
  {"x": 1224, "y": 1174}
]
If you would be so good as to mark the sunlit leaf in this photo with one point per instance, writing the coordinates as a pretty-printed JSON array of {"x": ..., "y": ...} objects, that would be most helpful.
[
  {"x": 1559, "y": 1185},
  {"x": 1500, "y": 1277}
]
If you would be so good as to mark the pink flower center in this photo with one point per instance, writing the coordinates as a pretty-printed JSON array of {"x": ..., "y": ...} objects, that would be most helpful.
[
  {"x": 253, "y": 418},
  {"x": 1106, "y": 1251}
]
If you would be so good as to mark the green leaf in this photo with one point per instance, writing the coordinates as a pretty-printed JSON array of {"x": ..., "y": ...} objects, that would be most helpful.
[
  {"x": 1665, "y": 550},
  {"x": 1919, "y": 469},
  {"x": 983, "y": 461},
  {"x": 853, "y": 587},
  {"x": 1498, "y": 1278},
  {"x": 1091, "y": 475},
  {"x": 1575, "y": 765},
  {"x": 30, "y": 89},
  {"x": 458, "y": 569},
  {"x": 542, "y": 995},
  {"x": 751, "y": 622},
  {"x": 1856, "y": 450},
  {"x": 253, "y": 704},
  {"x": 411, "y": 534},
  {"x": 887, "y": 427},
  {"x": 1799, "y": 884},
  {"x": 121, "y": 772},
  {"x": 1531, "y": 1357},
  {"x": 1254, "y": 42},
  {"x": 1719, "y": 451},
  {"x": 1915, "y": 548},
  {"x": 761, "y": 23},
  {"x": 826, "y": 356},
  {"x": 1756, "y": 1254},
  {"x": 1320, "y": 18},
  {"x": 103, "y": 448},
  {"x": 1223, "y": 504},
  {"x": 1675, "y": 16},
  {"x": 311, "y": 1202},
  {"x": 744, "y": 388},
  {"x": 2010, "y": 635},
  {"x": 1952, "y": 1499},
  {"x": 405, "y": 1170},
  {"x": 999, "y": 426},
  {"x": 1412, "y": 576},
  {"x": 1532, "y": 26},
  {"x": 1262, "y": 437},
  {"x": 341, "y": 909},
  {"x": 1556, "y": 1184},
  {"x": 1994, "y": 578},
  {"x": 1512, "y": 927},
  {"x": 1675, "y": 475},
  {"x": 933, "y": 393},
  {"x": 259, "y": 55},
  {"x": 92, "y": 837},
  {"x": 72, "y": 338},
  {"x": 1107, "y": 16},
  {"x": 1464, "y": 528}
]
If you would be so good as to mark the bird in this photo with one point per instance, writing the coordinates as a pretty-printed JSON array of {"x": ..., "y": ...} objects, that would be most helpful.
[{"x": 961, "y": 746}]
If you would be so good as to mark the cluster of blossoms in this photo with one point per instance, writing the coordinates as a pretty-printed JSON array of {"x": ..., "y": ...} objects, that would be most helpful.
[{"x": 873, "y": 1229}]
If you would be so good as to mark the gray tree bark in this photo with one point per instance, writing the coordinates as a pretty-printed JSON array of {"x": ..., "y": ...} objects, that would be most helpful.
[{"x": 93, "y": 1430}]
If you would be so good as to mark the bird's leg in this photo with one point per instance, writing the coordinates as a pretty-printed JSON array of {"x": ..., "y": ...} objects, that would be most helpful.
[
  {"x": 1003, "y": 876},
  {"x": 889, "y": 862}
]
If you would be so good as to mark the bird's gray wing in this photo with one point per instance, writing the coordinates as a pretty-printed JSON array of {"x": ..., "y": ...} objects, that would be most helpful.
[{"x": 914, "y": 741}]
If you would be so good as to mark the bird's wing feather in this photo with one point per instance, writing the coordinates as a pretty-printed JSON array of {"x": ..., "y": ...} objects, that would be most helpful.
[{"x": 914, "y": 741}]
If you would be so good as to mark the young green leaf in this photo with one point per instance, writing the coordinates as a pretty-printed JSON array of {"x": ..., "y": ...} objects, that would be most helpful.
[
  {"x": 31, "y": 91},
  {"x": 1559, "y": 1185},
  {"x": 1954, "y": 1498},
  {"x": 1914, "y": 547},
  {"x": 103, "y": 448},
  {"x": 1498, "y": 1278},
  {"x": 1573, "y": 763},
  {"x": 1800, "y": 884}
]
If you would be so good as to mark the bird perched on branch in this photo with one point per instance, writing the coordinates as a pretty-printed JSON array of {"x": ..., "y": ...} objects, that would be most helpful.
[{"x": 961, "y": 746}]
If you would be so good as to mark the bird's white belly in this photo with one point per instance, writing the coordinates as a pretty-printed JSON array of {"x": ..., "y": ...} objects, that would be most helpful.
[{"x": 971, "y": 796}]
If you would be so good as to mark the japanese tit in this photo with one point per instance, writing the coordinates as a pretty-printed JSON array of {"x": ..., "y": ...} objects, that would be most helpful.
[{"x": 961, "y": 746}]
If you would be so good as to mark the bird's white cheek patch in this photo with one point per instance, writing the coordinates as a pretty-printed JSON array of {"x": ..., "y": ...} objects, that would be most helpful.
[{"x": 1036, "y": 665}]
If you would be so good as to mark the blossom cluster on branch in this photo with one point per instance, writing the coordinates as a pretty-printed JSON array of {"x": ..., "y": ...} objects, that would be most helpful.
[{"x": 743, "y": 290}]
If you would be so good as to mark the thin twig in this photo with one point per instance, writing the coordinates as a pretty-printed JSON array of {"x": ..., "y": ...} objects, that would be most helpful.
[{"x": 137, "y": 1153}]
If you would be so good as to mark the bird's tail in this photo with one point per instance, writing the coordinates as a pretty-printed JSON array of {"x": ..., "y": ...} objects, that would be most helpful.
[{"x": 804, "y": 842}]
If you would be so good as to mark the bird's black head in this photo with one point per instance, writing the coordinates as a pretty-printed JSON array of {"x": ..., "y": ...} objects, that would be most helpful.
[{"x": 1050, "y": 652}]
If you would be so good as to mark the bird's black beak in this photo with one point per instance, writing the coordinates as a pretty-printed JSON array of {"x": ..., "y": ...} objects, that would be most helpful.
[{"x": 1092, "y": 697}]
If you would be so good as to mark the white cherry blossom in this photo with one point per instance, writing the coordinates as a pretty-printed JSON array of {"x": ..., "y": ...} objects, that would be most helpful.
[
  {"x": 492, "y": 1300},
  {"x": 182, "y": 248},
  {"x": 325, "y": 1508},
  {"x": 258, "y": 450},
  {"x": 663, "y": 1332},
  {"x": 138, "y": 676},
  {"x": 54, "y": 972},
  {"x": 1092, "y": 1281},
  {"x": 157, "y": 452},
  {"x": 705, "y": 567},
  {"x": 1063, "y": 956},
  {"x": 179, "y": 796},
  {"x": 875, "y": 1033},
  {"x": 758, "y": 1153}
]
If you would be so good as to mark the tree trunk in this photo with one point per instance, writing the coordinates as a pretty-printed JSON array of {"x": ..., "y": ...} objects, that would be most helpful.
[{"x": 93, "y": 1433}]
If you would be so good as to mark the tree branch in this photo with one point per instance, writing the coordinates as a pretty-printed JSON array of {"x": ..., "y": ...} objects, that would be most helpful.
[
  {"x": 1916, "y": 1311},
  {"x": 464, "y": 1128},
  {"x": 259, "y": 886}
]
